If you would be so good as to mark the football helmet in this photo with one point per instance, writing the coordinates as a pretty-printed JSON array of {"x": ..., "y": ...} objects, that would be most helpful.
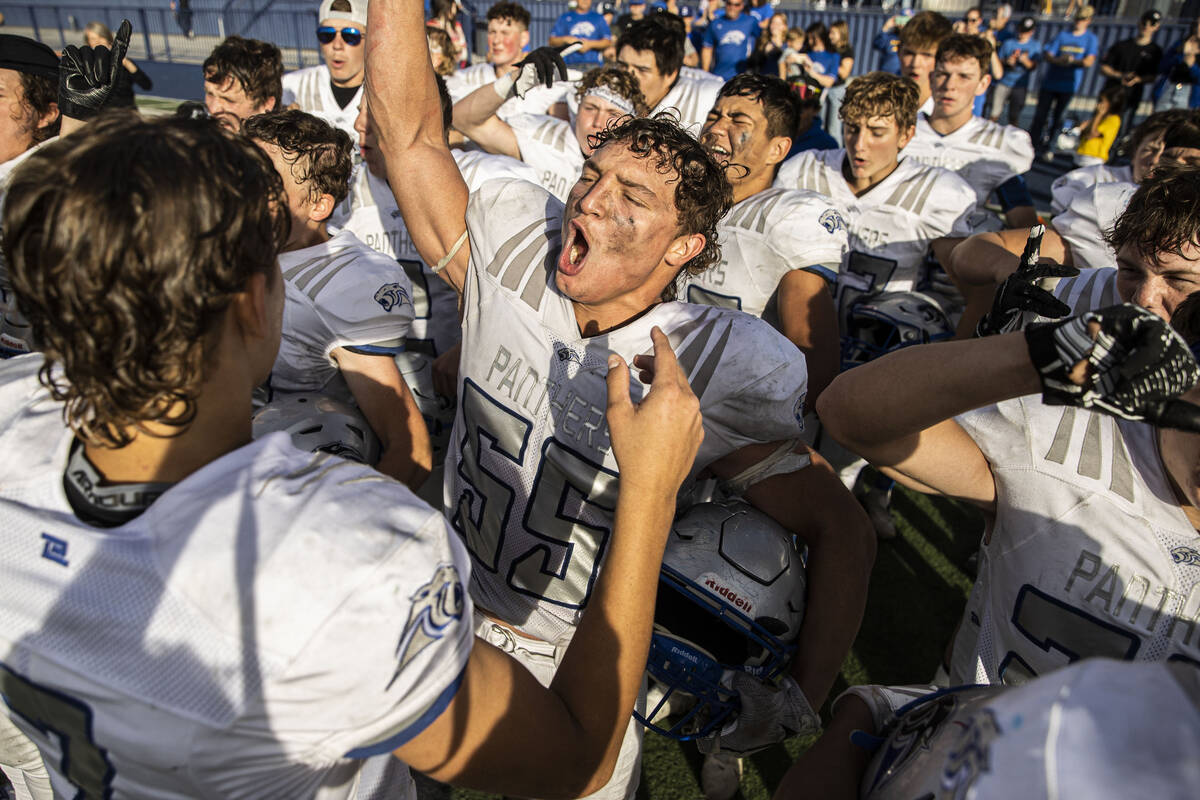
[
  {"x": 319, "y": 423},
  {"x": 730, "y": 597},
  {"x": 880, "y": 323}
]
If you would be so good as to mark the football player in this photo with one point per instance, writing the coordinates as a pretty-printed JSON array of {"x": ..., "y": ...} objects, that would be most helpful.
[
  {"x": 548, "y": 294},
  {"x": 989, "y": 156},
  {"x": 919, "y": 41},
  {"x": 781, "y": 249},
  {"x": 429, "y": 361},
  {"x": 1100, "y": 729},
  {"x": 1091, "y": 513},
  {"x": 332, "y": 90},
  {"x": 190, "y": 613},
  {"x": 242, "y": 77},
  {"x": 348, "y": 308},
  {"x": 554, "y": 147}
]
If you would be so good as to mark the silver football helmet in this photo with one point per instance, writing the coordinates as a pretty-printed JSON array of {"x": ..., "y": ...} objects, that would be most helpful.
[
  {"x": 880, "y": 323},
  {"x": 319, "y": 423},
  {"x": 731, "y": 597}
]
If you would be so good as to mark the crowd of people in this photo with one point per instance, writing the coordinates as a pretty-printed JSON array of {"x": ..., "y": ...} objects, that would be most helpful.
[{"x": 402, "y": 413}]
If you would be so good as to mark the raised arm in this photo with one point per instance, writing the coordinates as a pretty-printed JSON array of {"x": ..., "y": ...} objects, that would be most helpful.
[{"x": 407, "y": 115}]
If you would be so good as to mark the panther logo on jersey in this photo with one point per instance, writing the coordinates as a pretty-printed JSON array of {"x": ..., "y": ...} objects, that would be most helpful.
[
  {"x": 1185, "y": 555},
  {"x": 436, "y": 605},
  {"x": 832, "y": 220},
  {"x": 392, "y": 295}
]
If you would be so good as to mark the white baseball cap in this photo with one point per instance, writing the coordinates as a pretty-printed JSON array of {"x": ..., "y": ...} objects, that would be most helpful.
[{"x": 357, "y": 13}]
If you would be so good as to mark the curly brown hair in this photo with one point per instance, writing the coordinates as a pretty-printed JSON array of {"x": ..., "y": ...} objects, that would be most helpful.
[
  {"x": 617, "y": 80},
  {"x": 40, "y": 95},
  {"x": 126, "y": 247},
  {"x": 882, "y": 94},
  {"x": 702, "y": 192},
  {"x": 441, "y": 40},
  {"x": 1163, "y": 216},
  {"x": 256, "y": 65},
  {"x": 319, "y": 153}
]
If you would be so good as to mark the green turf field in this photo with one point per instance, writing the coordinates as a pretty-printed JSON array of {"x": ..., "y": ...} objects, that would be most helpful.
[{"x": 918, "y": 588}]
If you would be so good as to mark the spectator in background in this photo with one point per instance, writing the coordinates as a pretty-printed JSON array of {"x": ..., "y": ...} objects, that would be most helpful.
[
  {"x": 919, "y": 40},
  {"x": 1067, "y": 56},
  {"x": 810, "y": 135},
  {"x": 586, "y": 27},
  {"x": 971, "y": 22},
  {"x": 831, "y": 98},
  {"x": 96, "y": 34},
  {"x": 789, "y": 62},
  {"x": 729, "y": 40},
  {"x": 1019, "y": 55},
  {"x": 770, "y": 47},
  {"x": 819, "y": 62},
  {"x": 1098, "y": 133},
  {"x": 332, "y": 90},
  {"x": 997, "y": 27},
  {"x": 887, "y": 44},
  {"x": 1132, "y": 63},
  {"x": 444, "y": 15},
  {"x": 183, "y": 16},
  {"x": 242, "y": 77},
  {"x": 442, "y": 53},
  {"x": 1179, "y": 86},
  {"x": 637, "y": 10}
]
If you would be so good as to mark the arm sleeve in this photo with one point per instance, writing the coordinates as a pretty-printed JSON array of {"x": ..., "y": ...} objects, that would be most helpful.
[
  {"x": 142, "y": 79},
  {"x": 1014, "y": 193}
]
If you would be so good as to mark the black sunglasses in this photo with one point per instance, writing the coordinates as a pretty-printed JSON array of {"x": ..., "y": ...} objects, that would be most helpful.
[{"x": 351, "y": 36}]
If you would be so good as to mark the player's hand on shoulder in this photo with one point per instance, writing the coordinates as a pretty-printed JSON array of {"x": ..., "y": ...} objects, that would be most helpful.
[
  {"x": 654, "y": 441},
  {"x": 1122, "y": 360},
  {"x": 86, "y": 75}
]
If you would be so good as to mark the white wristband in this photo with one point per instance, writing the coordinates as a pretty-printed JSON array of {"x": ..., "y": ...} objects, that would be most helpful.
[{"x": 503, "y": 86}]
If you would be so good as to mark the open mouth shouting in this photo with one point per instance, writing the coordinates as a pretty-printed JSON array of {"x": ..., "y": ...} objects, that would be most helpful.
[{"x": 575, "y": 250}]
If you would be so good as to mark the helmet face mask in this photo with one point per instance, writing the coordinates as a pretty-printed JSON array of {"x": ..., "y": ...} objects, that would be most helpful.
[
  {"x": 731, "y": 597},
  {"x": 880, "y": 323},
  {"x": 319, "y": 424}
]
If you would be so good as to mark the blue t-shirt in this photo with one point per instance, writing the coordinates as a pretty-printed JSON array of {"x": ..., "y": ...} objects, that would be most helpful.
[
  {"x": 1067, "y": 79},
  {"x": 582, "y": 26},
  {"x": 826, "y": 61},
  {"x": 888, "y": 43},
  {"x": 815, "y": 138},
  {"x": 731, "y": 41},
  {"x": 1018, "y": 75}
]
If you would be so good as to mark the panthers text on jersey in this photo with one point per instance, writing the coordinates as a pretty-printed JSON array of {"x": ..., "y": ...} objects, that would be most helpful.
[
  {"x": 537, "y": 100},
  {"x": 338, "y": 294},
  {"x": 1066, "y": 186},
  {"x": 531, "y": 482},
  {"x": 689, "y": 100},
  {"x": 983, "y": 153},
  {"x": 892, "y": 225},
  {"x": 1093, "y": 211},
  {"x": 548, "y": 144},
  {"x": 262, "y": 627},
  {"x": 763, "y": 238},
  {"x": 1089, "y": 553},
  {"x": 310, "y": 89}
]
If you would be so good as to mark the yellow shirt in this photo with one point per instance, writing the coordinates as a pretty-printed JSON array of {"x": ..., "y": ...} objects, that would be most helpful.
[{"x": 1099, "y": 145}]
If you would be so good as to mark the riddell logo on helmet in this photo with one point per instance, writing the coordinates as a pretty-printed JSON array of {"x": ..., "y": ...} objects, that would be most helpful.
[{"x": 733, "y": 597}]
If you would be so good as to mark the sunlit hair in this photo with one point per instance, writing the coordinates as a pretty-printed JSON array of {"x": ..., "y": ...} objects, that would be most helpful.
[
  {"x": 925, "y": 31},
  {"x": 780, "y": 104},
  {"x": 702, "y": 192},
  {"x": 319, "y": 153},
  {"x": 512, "y": 12},
  {"x": 441, "y": 40},
  {"x": 99, "y": 29},
  {"x": 960, "y": 46},
  {"x": 881, "y": 94},
  {"x": 125, "y": 247},
  {"x": 1163, "y": 216},
  {"x": 1156, "y": 124},
  {"x": 257, "y": 66},
  {"x": 619, "y": 82}
]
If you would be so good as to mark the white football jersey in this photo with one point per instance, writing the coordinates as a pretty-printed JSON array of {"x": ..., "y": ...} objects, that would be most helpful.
[
  {"x": 536, "y": 101},
  {"x": 983, "y": 153},
  {"x": 690, "y": 99},
  {"x": 891, "y": 226},
  {"x": 1066, "y": 186},
  {"x": 311, "y": 90},
  {"x": 548, "y": 144},
  {"x": 1092, "y": 212},
  {"x": 762, "y": 239},
  {"x": 266, "y": 624},
  {"x": 1090, "y": 554},
  {"x": 338, "y": 294},
  {"x": 535, "y": 482}
]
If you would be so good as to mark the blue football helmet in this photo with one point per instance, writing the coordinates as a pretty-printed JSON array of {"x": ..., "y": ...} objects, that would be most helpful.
[
  {"x": 879, "y": 323},
  {"x": 731, "y": 597}
]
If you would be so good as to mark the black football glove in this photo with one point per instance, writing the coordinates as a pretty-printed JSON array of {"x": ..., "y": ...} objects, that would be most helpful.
[
  {"x": 1020, "y": 293},
  {"x": 1137, "y": 366},
  {"x": 86, "y": 75},
  {"x": 542, "y": 67}
]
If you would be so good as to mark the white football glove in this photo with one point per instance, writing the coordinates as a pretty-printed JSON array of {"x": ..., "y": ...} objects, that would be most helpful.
[
  {"x": 542, "y": 67},
  {"x": 769, "y": 714}
]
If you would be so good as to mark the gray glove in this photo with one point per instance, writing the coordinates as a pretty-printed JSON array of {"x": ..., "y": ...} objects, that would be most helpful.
[{"x": 769, "y": 714}]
